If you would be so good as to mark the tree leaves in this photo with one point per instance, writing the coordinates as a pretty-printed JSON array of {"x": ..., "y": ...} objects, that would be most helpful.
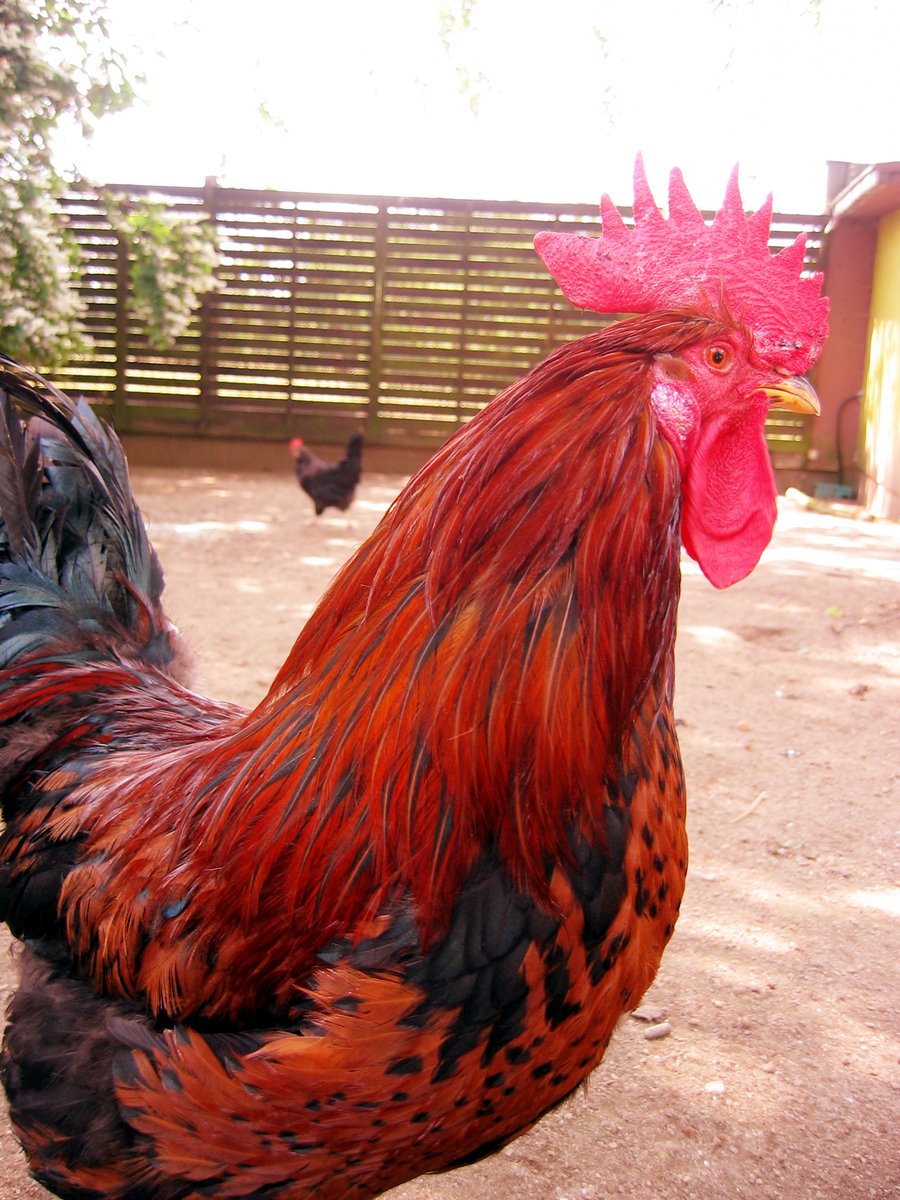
[
  {"x": 172, "y": 263},
  {"x": 56, "y": 63}
]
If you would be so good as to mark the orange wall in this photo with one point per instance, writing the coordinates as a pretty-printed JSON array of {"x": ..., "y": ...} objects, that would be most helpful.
[
  {"x": 881, "y": 409},
  {"x": 840, "y": 372}
]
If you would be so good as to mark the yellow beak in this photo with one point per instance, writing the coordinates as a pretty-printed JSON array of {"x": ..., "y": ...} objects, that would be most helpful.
[{"x": 796, "y": 394}]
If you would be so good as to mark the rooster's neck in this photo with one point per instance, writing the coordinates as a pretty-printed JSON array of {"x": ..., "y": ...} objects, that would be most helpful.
[{"x": 478, "y": 665}]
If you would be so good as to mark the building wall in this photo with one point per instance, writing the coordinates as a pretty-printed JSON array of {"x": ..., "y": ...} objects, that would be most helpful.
[
  {"x": 881, "y": 406},
  {"x": 849, "y": 264}
]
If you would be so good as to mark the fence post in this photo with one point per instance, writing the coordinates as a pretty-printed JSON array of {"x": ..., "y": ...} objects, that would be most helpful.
[
  {"x": 207, "y": 321},
  {"x": 120, "y": 414},
  {"x": 462, "y": 341},
  {"x": 375, "y": 340},
  {"x": 293, "y": 301}
]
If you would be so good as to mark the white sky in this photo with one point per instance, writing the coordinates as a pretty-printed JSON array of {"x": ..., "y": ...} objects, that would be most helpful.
[{"x": 369, "y": 100}]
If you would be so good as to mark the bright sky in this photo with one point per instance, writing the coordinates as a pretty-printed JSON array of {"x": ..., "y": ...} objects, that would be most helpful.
[{"x": 368, "y": 99}]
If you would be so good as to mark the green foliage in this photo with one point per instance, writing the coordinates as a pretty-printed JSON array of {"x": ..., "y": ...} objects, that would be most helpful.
[
  {"x": 40, "y": 309},
  {"x": 458, "y": 29},
  {"x": 57, "y": 63},
  {"x": 172, "y": 263}
]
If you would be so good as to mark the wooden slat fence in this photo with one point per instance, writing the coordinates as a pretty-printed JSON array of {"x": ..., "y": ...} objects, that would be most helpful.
[{"x": 399, "y": 316}]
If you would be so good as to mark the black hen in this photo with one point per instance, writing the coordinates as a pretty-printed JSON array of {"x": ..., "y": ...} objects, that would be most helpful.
[{"x": 328, "y": 485}]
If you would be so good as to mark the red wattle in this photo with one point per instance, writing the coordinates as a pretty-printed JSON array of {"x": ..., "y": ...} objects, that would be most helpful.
[{"x": 729, "y": 496}]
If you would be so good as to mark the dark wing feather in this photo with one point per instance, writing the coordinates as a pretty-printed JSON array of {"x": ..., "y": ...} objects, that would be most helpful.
[
  {"x": 74, "y": 552},
  {"x": 20, "y": 481}
]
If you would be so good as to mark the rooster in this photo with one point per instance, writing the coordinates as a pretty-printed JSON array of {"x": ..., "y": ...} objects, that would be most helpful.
[
  {"x": 328, "y": 485},
  {"x": 383, "y": 922}
]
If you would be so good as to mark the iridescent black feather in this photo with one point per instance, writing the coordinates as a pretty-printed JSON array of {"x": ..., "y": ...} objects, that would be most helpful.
[{"x": 76, "y": 564}]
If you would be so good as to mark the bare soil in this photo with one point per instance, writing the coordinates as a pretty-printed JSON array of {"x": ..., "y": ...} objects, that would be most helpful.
[{"x": 777, "y": 1075}]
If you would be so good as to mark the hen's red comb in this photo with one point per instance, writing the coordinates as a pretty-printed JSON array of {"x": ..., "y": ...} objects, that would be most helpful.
[{"x": 670, "y": 263}]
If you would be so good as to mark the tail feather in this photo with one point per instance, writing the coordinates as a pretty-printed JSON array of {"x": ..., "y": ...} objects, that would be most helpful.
[{"x": 77, "y": 571}]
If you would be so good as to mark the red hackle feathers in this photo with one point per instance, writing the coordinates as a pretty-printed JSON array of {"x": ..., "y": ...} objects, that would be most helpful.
[
  {"x": 455, "y": 730},
  {"x": 683, "y": 261}
]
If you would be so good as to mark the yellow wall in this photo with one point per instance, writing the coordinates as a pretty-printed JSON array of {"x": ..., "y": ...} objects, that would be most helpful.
[{"x": 881, "y": 413}]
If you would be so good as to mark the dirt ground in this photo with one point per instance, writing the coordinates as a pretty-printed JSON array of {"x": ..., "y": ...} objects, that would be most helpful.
[{"x": 777, "y": 1075}]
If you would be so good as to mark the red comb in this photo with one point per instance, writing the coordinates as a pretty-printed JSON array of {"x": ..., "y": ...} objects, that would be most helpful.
[{"x": 669, "y": 263}]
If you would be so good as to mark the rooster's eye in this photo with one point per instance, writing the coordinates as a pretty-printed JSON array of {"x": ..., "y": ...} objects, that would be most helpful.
[{"x": 720, "y": 358}]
